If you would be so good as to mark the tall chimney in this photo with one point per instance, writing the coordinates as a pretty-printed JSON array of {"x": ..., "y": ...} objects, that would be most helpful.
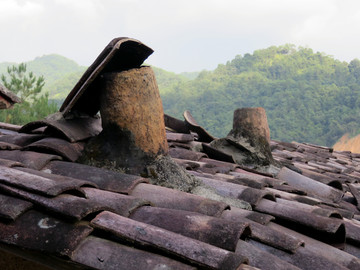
[{"x": 132, "y": 119}]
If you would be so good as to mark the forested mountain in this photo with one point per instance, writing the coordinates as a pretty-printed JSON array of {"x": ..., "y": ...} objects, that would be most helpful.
[
  {"x": 60, "y": 73},
  {"x": 308, "y": 96}
]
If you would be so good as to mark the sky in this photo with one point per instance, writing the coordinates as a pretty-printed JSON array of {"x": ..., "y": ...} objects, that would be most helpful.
[{"x": 186, "y": 35}]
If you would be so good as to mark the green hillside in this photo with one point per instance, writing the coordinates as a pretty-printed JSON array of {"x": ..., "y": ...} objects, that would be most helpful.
[
  {"x": 60, "y": 73},
  {"x": 308, "y": 96}
]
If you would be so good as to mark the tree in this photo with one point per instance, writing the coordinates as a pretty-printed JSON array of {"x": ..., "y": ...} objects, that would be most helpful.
[{"x": 27, "y": 86}]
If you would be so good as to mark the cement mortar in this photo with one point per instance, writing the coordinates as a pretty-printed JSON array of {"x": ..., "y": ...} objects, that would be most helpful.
[{"x": 164, "y": 171}]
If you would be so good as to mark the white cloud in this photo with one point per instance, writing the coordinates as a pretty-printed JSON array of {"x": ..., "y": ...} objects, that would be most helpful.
[{"x": 185, "y": 34}]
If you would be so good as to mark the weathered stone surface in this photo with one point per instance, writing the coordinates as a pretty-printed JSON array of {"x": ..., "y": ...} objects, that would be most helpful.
[
  {"x": 248, "y": 143},
  {"x": 133, "y": 122},
  {"x": 131, "y": 99}
]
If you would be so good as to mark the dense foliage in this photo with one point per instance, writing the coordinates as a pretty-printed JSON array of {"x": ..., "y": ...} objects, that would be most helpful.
[
  {"x": 27, "y": 87},
  {"x": 60, "y": 73},
  {"x": 308, "y": 96}
]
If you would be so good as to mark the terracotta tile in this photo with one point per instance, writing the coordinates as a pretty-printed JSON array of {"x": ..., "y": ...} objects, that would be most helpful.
[
  {"x": 181, "y": 153},
  {"x": 190, "y": 250},
  {"x": 179, "y": 137},
  {"x": 99, "y": 253},
  {"x": 204, "y": 136},
  {"x": 41, "y": 232},
  {"x": 67, "y": 206},
  {"x": 176, "y": 124},
  {"x": 74, "y": 130},
  {"x": 215, "y": 231},
  {"x": 329, "y": 230},
  {"x": 262, "y": 259},
  {"x": 104, "y": 179},
  {"x": 309, "y": 185},
  {"x": 121, "y": 204},
  {"x": 21, "y": 139},
  {"x": 68, "y": 151},
  {"x": 39, "y": 182},
  {"x": 174, "y": 199},
  {"x": 11, "y": 208},
  {"x": 29, "y": 159}
]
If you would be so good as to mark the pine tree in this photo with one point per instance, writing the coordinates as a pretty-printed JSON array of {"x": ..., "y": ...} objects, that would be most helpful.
[{"x": 27, "y": 86}]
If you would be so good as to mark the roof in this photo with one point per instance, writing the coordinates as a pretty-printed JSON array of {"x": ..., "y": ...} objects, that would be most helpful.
[
  {"x": 7, "y": 98},
  {"x": 68, "y": 215}
]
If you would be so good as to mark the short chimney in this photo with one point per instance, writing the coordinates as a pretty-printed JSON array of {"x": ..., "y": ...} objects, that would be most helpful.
[{"x": 249, "y": 140}]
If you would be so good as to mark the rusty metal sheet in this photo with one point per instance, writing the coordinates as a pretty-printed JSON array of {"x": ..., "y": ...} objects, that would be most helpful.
[
  {"x": 21, "y": 139},
  {"x": 302, "y": 258},
  {"x": 261, "y": 259},
  {"x": 11, "y": 208},
  {"x": 99, "y": 253},
  {"x": 215, "y": 231},
  {"x": 179, "y": 137},
  {"x": 104, "y": 179},
  {"x": 68, "y": 151},
  {"x": 29, "y": 159},
  {"x": 39, "y": 182},
  {"x": 204, "y": 136},
  {"x": 329, "y": 230},
  {"x": 174, "y": 199},
  {"x": 181, "y": 153},
  {"x": 69, "y": 206},
  {"x": 248, "y": 194},
  {"x": 120, "y": 54},
  {"x": 121, "y": 204},
  {"x": 176, "y": 124},
  {"x": 188, "y": 249},
  {"x": 309, "y": 185},
  {"x": 40, "y": 232},
  {"x": 73, "y": 129}
]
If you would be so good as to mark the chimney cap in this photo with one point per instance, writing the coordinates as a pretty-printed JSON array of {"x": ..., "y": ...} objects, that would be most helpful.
[{"x": 120, "y": 54}]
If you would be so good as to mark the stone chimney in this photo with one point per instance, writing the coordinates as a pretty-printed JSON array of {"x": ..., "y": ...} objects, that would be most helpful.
[
  {"x": 249, "y": 140},
  {"x": 132, "y": 119}
]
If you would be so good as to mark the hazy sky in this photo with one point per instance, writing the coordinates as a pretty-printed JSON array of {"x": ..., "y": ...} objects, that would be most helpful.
[{"x": 187, "y": 35}]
